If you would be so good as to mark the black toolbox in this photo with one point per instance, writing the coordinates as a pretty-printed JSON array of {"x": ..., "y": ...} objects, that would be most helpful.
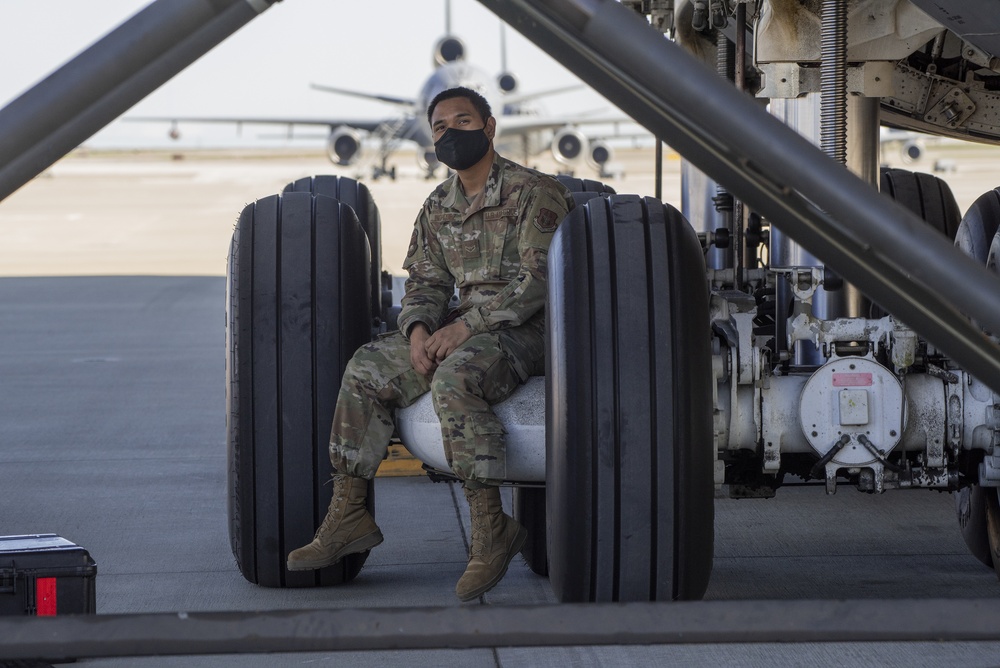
[{"x": 45, "y": 574}]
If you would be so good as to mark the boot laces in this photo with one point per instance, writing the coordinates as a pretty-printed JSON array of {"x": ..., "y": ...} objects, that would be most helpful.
[
  {"x": 480, "y": 527},
  {"x": 334, "y": 512}
]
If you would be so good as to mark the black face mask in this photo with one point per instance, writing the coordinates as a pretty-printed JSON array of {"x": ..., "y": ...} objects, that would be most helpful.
[{"x": 461, "y": 149}]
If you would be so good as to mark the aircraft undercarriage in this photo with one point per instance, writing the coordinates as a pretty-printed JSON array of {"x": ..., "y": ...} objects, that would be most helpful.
[
  {"x": 857, "y": 350},
  {"x": 812, "y": 382},
  {"x": 705, "y": 346},
  {"x": 812, "y": 376}
]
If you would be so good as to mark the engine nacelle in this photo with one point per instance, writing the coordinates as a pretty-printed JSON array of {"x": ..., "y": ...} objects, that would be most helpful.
[
  {"x": 599, "y": 155},
  {"x": 911, "y": 150},
  {"x": 507, "y": 82},
  {"x": 570, "y": 146},
  {"x": 448, "y": 50},
  {"x": 427, "y": 160},
  {"x": 344, "y": 146}
]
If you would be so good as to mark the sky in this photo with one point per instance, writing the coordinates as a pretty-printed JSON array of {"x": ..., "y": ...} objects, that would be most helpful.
[{"x": 265, "y": 68}]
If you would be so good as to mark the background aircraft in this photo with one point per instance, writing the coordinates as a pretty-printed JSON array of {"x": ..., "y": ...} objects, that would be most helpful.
[
  {"x": 911, "y": 145},
  {"x": 522, "y": 129}
]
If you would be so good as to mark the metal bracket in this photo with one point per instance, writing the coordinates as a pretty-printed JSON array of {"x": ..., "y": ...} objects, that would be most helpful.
[
  {"x": 989, "y": 469},
  {"x": 11, "y": 574},
  {"x": 952, "y": 109},
  {"x": 791, "y": 80},
  {"x": 804, "y": 281},
  {"x": 871, "y": 478},
  {"x": 976, "y": 55}
]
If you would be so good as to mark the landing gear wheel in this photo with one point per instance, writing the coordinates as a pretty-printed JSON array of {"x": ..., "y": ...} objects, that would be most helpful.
[
  {"x": 576, "y": 185},
  {"x": 992, "y": 494},
  {"x": 357, "y": 196},
  {"x": 979, "y": 226},
  {"x": 529, "y": 510},
  {"x": 297, "y": 307},
  {"x": 976, "y": 236},
  {"x": 584, "y": 190},
  {"x": 970, "y": 506},
  {"x": 529, "y": 503},
  {"x": 629, "y": 454},
  {"x": 993, "y": 526},
  {"x": 925, "y": 195}
]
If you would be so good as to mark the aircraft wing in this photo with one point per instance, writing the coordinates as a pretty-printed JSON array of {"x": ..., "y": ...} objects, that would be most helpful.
[
  {"x": 519, "y": 98},
  {"x": 388, "y": 99},
  {"x": 366, "y": 124},
  {"x": 976, "y": 21},
  {"x": 524, "y": 124}
]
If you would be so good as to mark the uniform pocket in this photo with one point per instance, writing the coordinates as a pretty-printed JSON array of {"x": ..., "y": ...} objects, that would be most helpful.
[
  {"x": 501, "y": 244},
  {"x": 522, "y": 350},
  {"x": 486, "y": 425}
]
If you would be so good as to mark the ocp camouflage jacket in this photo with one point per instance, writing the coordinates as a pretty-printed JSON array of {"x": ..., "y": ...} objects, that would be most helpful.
[{"x": 493, "y": 249}]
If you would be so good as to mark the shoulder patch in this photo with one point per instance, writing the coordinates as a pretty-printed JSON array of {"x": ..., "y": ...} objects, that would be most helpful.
[
  {"x": 547, "y": 220},
  {"x": 413, "y": 244}
]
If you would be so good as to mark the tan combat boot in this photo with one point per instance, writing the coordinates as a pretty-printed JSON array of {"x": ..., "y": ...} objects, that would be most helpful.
[
  {"x": 347, "y": 528},
  {"x": 496, "y": 538}
]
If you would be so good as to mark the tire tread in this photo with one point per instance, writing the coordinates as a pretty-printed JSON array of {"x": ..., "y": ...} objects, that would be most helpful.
[
  {"x": 303, "y": 258},
  {"x": 628, "y": 341}
]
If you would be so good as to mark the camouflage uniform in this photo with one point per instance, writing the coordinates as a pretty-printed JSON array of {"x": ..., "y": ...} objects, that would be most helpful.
[{"x": 494, "y": 249}]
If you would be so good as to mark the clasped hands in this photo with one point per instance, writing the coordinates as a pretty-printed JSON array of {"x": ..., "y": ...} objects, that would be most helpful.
[{"x": 427, "y": 350}]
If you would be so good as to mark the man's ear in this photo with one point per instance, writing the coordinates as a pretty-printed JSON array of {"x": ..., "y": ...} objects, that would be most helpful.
[{"x": 491, "y": 127}]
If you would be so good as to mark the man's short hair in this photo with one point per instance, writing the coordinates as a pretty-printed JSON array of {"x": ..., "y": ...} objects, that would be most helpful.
[{"x": 477, "y": 100}]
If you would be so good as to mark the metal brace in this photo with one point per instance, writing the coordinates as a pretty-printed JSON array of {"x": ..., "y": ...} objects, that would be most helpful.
[{"x": 989, "y": 469}]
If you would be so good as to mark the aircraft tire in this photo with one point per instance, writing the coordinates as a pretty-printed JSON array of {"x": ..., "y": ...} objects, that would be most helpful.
[
  {"x": 992, "y": 494},
  {"x": 975, "y": 235},
  {"x": 529, "y": 510},
  {"x": 979, "y": 225},
  {"x": 992, "y": 502},
  {"x": 529, "y": 502},
  {"x": 925, "y": 195},
  {"x": 357, "y": 196},
  {"x": 971, "y": 508},
  {"x": 629, "y": 454},
  {"x": 297, "y": 307},
  {"x": 576, "y": 185}
]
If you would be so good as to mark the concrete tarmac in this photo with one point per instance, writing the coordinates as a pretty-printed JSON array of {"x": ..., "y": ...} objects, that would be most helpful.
[
  {"x": 169, "y": 215},
  {"x": 112, "y": 434}
]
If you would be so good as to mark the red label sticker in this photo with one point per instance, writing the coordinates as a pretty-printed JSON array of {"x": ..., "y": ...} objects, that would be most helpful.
[
  {"x": 852, "y": 379},
  {"x": 45, "y": 597}
]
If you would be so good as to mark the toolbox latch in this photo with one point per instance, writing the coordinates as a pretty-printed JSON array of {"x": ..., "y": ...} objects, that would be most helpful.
[{"x": 8, "y": 579}]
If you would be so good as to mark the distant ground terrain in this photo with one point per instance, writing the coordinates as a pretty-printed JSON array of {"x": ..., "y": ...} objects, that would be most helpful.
[{"x": 164, "y": 213}]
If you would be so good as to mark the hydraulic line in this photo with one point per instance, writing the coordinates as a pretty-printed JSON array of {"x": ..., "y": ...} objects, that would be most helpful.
[
  {"x": 817, "y": 469},
  {"x": 878, "y": 454}
]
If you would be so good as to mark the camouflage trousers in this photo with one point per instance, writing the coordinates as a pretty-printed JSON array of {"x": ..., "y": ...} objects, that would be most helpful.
[{"x": 483, "y": 371}]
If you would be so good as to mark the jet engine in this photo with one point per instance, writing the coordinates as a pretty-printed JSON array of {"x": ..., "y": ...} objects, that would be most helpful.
[
  {"x": 912, "y": 150},
  {"x": 344, "y": 146},
  {"x": 448, "y": 50},
  {"x": 599, "y": 156},
  {"x": 569, "y": 146},
  {"x": 507, "y": 82},
  {"x": 427, "y": 161}
]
